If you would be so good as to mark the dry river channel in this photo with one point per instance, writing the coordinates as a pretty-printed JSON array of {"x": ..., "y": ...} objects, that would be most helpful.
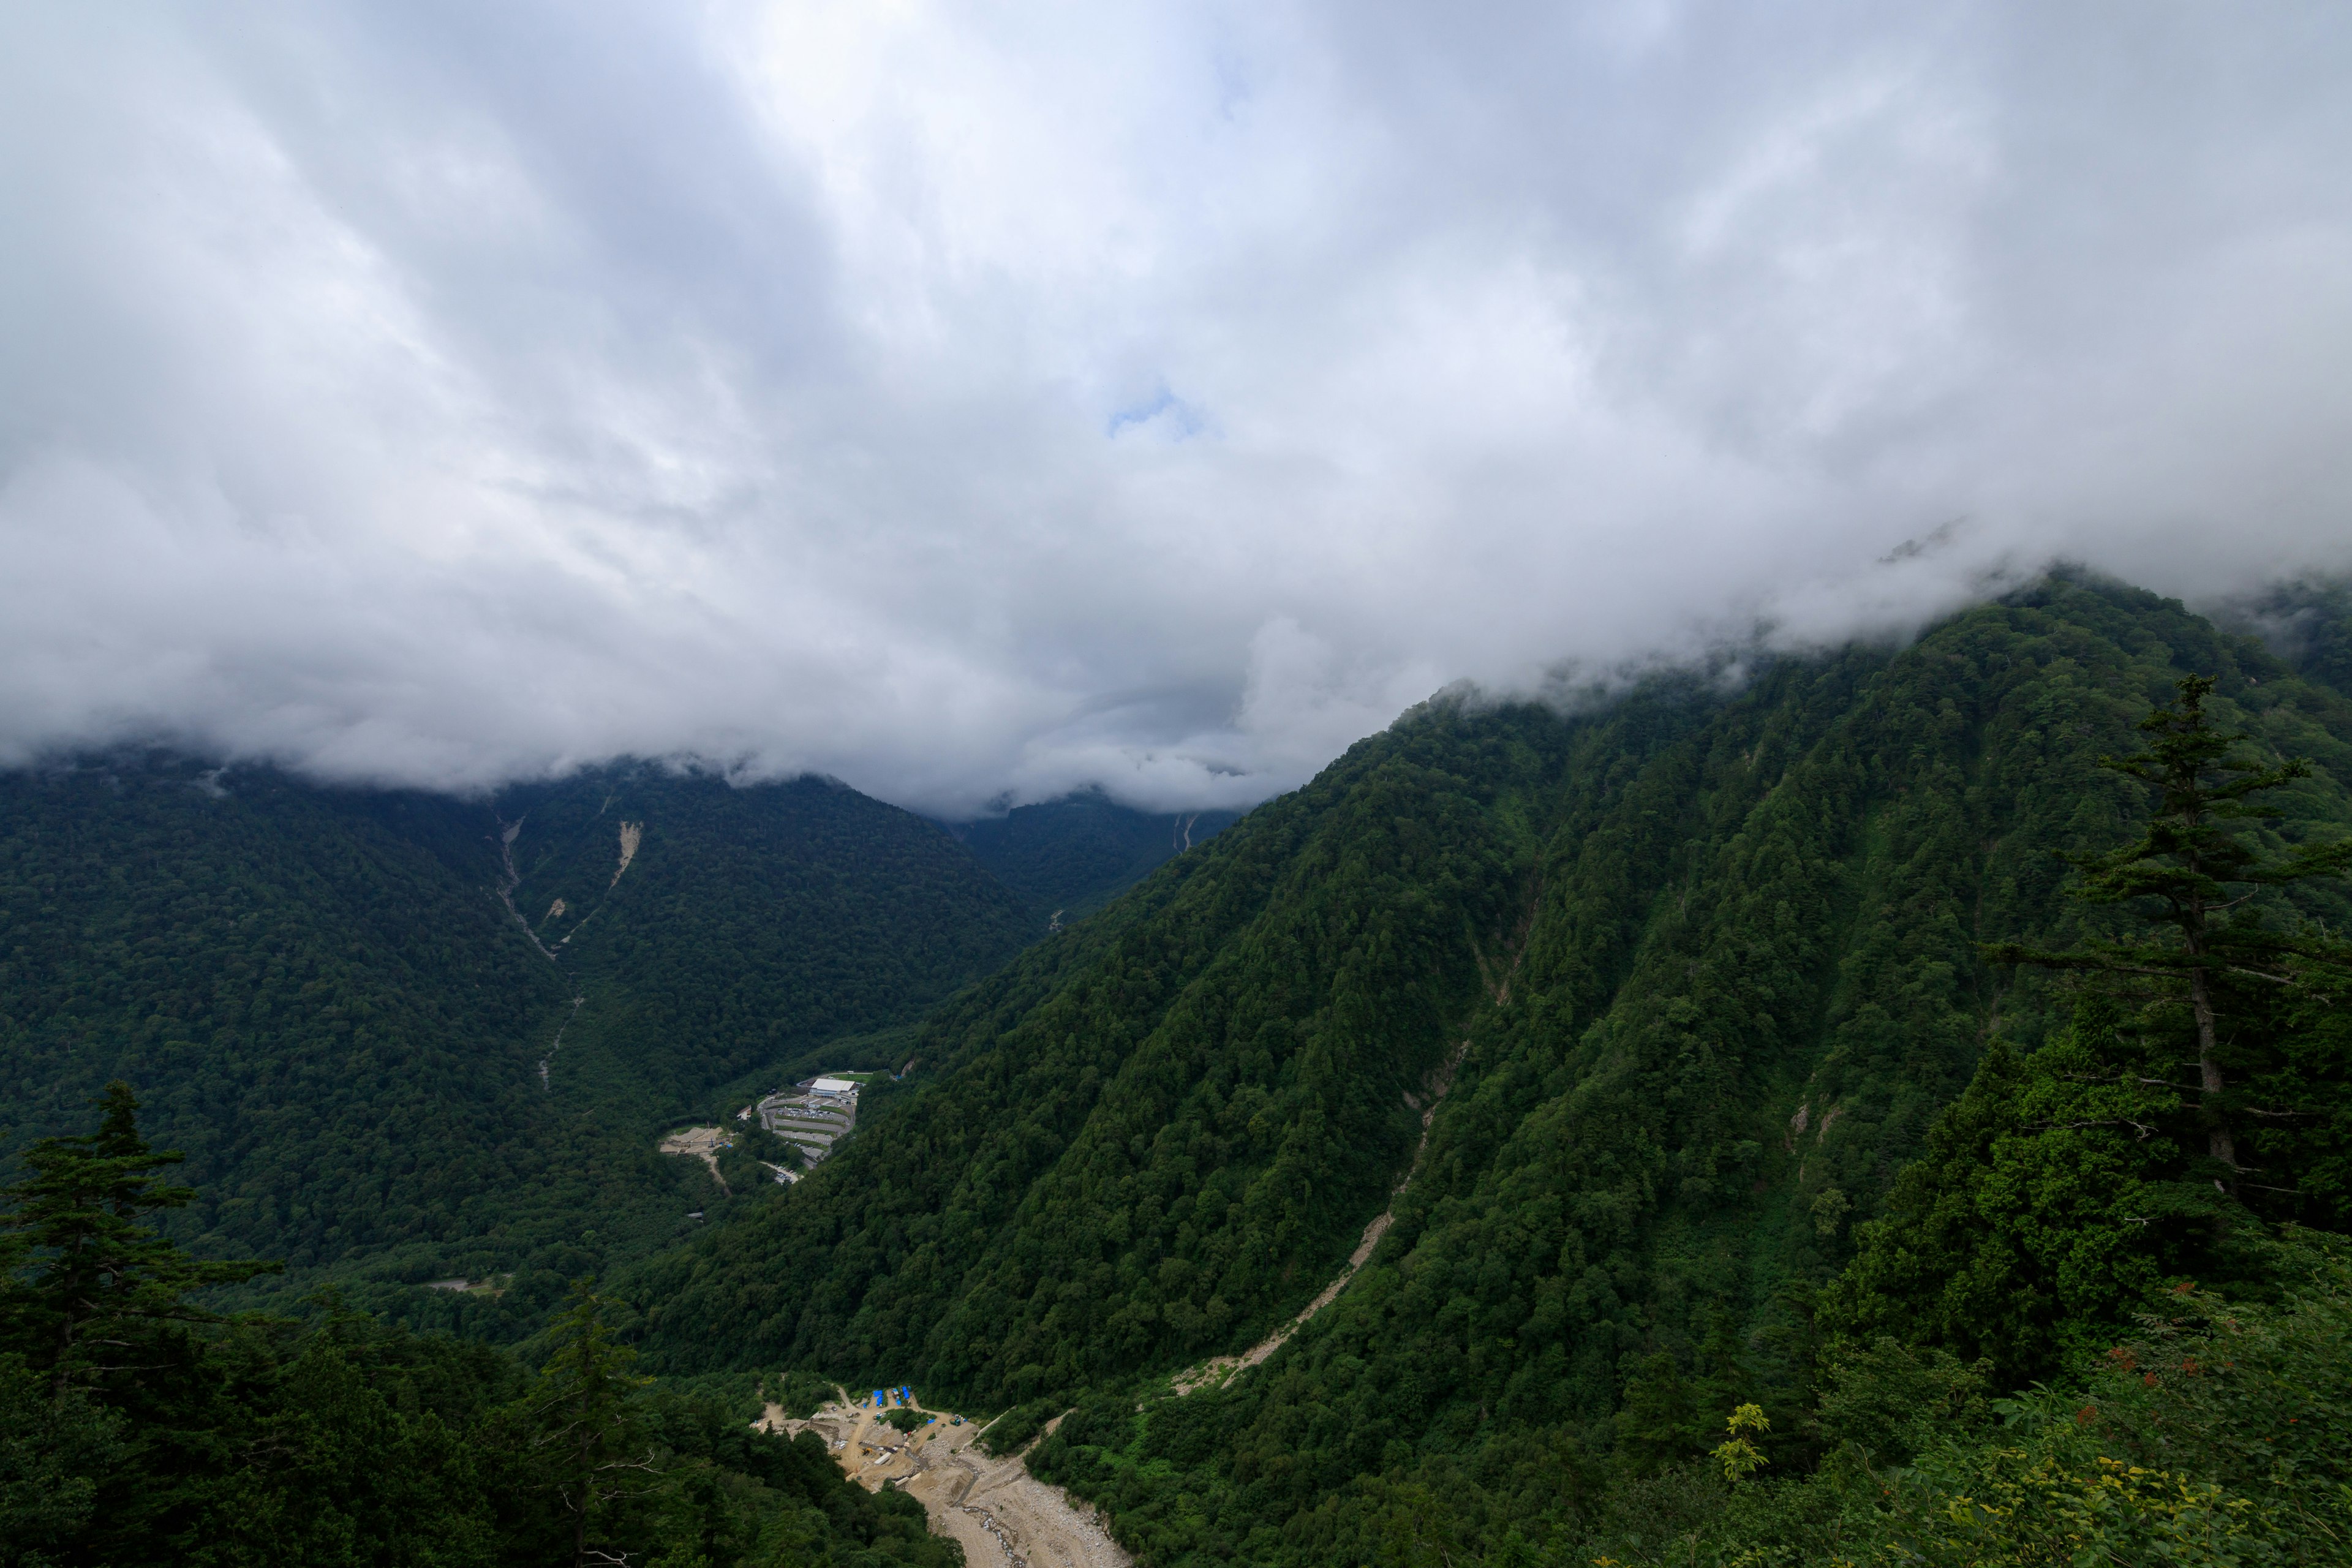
[{"x": 1004, "y": 1516}]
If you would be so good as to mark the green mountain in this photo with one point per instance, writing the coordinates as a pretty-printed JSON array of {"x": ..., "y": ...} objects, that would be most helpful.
[
  {"x": 2309, "y": 622},
  {"x": 380, "y": 1074},
  {"x": 749, "y": 926},
  {"x": 1068, "y": 857},
  {"x": 1676, "y": 983}
]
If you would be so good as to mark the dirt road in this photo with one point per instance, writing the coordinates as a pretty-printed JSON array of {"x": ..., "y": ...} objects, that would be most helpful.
[
  {"x": 702, "y": 1143},
  {"x": 1213, "y": 1373},
  {"x": 1004, "y": 1516}
]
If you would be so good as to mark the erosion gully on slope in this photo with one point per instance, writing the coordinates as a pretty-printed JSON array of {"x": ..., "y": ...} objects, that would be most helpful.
[
  {"x": 632, "y": 836},
  {"x": 508, "y": 833},
  {"x": 1214, "y": 1371}
]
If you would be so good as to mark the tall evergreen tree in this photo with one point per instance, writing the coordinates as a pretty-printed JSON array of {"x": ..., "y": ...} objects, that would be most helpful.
[
  {"x": 2069, "y": 1184},
  {"x": 586, "y": 1423},
  {"x": 102, "y": 1278},
  {"x": 2191, "y": 872}
]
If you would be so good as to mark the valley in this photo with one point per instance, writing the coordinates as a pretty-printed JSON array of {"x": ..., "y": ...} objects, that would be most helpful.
[
  {"x": 1426, "y": 1165},
  {"x": 323, "y": 993}
]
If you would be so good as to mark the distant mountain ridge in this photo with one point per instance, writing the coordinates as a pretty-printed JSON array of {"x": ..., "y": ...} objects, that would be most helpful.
[
  {"x": 1068, "y": 857},
  {"x": 407, "y": 1037}
]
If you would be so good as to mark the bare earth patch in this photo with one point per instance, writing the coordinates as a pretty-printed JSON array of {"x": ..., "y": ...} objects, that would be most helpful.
[
  {"x": 702, "y": 1142},
  {"x": 1003, "y": 1516}
]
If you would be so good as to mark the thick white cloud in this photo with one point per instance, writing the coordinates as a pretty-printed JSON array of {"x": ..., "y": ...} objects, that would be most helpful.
[{"x": 973, "y": 402}]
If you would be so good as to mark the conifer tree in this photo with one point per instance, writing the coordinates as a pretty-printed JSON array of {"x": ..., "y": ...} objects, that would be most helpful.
[
  {"x": 587, "y": 1427},
  {"x": 103, "y": 1277},
  {"x": 2063, "y": 1187},
  {"x": 2190, "y": 871}
]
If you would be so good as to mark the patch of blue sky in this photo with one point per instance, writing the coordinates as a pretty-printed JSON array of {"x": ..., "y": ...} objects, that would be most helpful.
[{"x": 1164, "y": 411}]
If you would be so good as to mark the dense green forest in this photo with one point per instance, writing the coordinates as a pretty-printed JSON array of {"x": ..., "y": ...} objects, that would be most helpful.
[
  {"x": 1699, "y": 972},
  {"x": 325, "y": 1003},
  {"x": 1068, "y": 857},
  {"x": 137, "y": 1428},
  {"x": 751, "y": 923}
]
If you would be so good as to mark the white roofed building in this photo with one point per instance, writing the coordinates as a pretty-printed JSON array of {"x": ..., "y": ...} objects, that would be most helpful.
[{"x": 813, "y": 1114}]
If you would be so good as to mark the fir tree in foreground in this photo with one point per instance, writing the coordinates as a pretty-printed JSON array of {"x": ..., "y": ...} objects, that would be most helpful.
[
  {"x": 2200, "y": 1088},
  {"x": 2192, "y": 872},
  {"x": 137, "y": 1427},
  {"x": 105, "y": 1282}
]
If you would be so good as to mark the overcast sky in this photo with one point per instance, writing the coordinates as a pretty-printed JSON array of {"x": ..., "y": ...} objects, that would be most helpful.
[{"x": 973, "y": 401}]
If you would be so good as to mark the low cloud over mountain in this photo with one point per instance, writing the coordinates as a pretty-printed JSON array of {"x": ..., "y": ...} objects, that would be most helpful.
[{"x": 973, "y": 402}]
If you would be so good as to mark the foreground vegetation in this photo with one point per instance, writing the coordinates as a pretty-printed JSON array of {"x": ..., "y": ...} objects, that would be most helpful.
[
  {"x": 137, "y": 1428},
  {"x": 2209, "y": 1433}
]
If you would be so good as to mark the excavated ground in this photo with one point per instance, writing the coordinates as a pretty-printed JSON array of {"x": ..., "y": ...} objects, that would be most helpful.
[
  {"x": 701, "y": 1144},
  {"x": 1004, "y": 1516}
]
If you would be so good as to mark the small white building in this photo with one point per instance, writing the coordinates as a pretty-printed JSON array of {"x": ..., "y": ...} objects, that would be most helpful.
[{"x": 835, "y": 1086}]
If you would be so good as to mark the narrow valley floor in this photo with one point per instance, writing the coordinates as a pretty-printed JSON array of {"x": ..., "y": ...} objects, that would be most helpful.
[{"x": 1003, "y": 1516}]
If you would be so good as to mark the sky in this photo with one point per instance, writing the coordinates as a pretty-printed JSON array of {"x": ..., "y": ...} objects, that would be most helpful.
[{"x": 973, "y": 402}]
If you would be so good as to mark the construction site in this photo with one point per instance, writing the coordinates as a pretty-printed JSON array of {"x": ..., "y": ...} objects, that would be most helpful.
[
  {"x": 813, "y": 1114},
  {"x": 1003, "y": 1516}
]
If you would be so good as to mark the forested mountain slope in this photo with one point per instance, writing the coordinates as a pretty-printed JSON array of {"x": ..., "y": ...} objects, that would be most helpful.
[
  {"x": 749, "y": 925},
  {"x": 1701, "y": 963},
  {"x": 377, "y": 1071},
  {"x": 1068, "y": 857},
  {"x": 2309, "y": 622}
]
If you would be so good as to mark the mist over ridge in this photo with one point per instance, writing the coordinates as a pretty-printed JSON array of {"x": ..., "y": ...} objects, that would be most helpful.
[{"x": 975, "y": 407}]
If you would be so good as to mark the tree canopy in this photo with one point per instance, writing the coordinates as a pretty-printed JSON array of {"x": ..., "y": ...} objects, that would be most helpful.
[{"x": 156, "y": 1432}]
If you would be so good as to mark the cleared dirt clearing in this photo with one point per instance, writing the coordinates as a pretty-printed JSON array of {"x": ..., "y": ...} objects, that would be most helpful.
[
  {"x": 1005, "y": 1516},
  {"x": 701, "y": 1143}
]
